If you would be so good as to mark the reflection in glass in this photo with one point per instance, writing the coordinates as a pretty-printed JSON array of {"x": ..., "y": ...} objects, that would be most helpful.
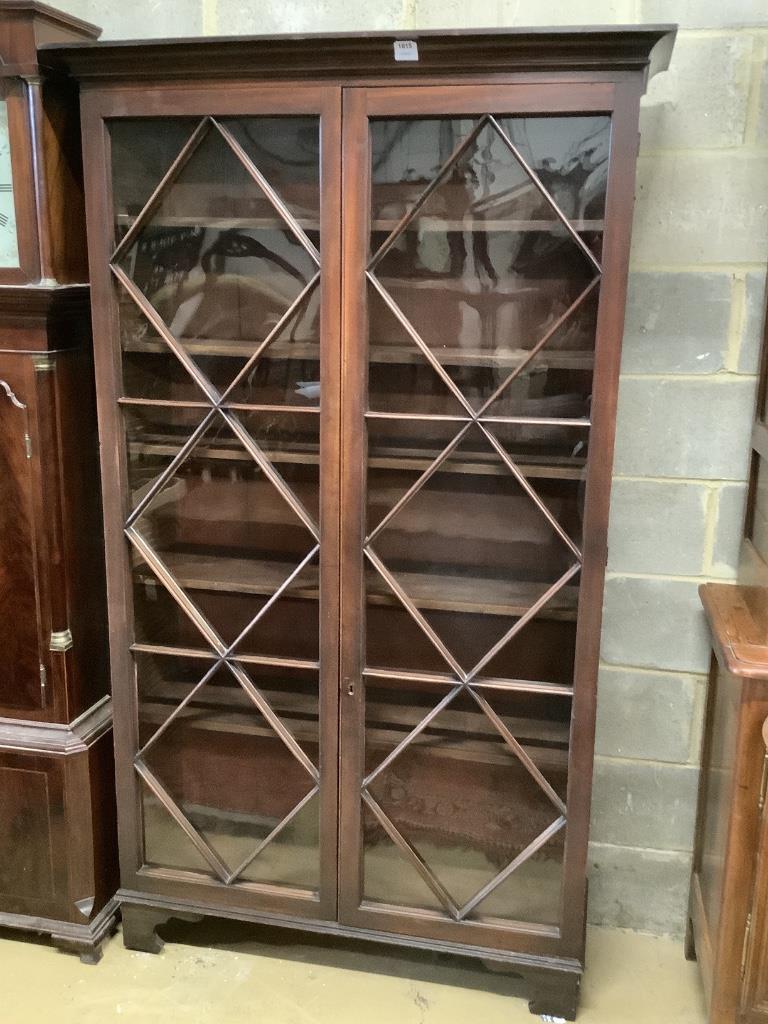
[
  {"x": 463, "y": 799},
  {"x": 470, "y": 547},
  {"x": 220, "y": 736},
  {"x": 226, "y": 532},
  {"x": 553, "y": 381},
  {"x": 485, "y": 267},
  {"x": 222, "y": 261}
]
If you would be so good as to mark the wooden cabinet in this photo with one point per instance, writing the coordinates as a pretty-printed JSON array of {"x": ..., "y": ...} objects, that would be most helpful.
[
  {"x": 357, "y": 330},
  {"x": 727, "y": 929},
  {"x": 57, "y": 817}
]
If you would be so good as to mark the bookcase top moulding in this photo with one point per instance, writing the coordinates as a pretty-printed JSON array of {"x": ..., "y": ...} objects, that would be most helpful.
[{"x": 610, "y": 49}]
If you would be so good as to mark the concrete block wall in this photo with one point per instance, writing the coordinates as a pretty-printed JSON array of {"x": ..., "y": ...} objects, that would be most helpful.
[{"x": 699, "y": 254}]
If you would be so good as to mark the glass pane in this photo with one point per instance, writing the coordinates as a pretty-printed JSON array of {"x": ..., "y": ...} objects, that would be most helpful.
[
  {"x": 387, "y": 876},
  {"x": 165, "y": 842},
  {"x": 9, "y": 244},
  {"x": 286, "y": 371},
  {"x": 219, "y": 259},
  {"x": 226, "y": 532},
  {"x": 463, "y": 799},
  {"x": 533, "y": 892},
  {"x": 220, "y": 314},
  {"x": 143, "y": 149},
  {"x": 287, "y": 152},
  {"x": 484, "y": 267},
  {"x": 291, "y": 857},
  {"x": 470, "y": 548},
  {"x": 570, "y": 157},
  {"x": 217, "y": 737},
  {"x": 553, "y": 381},
  {"x": 400, "y": 377}
]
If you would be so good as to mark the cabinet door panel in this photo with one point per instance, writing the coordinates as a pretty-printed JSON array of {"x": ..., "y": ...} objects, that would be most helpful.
[
  {"x": 228, "y": 421},
  {"x": 473, "y": 266},
  {"x": 20, "y": 682},
  {"x": 33, "y": 860}
]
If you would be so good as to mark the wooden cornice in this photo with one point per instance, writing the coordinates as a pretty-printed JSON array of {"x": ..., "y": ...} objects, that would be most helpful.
[
  {"x": 355, "y": 55},
  {"x": 26, "y": 25}
]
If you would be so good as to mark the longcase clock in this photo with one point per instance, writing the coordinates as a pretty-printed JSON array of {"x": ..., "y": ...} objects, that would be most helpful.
[{"x": 57, "y": 828}]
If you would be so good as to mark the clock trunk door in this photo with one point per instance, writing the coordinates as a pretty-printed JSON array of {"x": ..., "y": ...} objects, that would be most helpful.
[
  {"x": 474, "y": 279},
  {"x": 22, "y": 676}
]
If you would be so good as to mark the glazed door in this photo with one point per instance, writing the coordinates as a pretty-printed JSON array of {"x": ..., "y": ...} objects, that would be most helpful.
[
  {"x": 480, "y": 369},
  {"x": 221, "y": 302}
]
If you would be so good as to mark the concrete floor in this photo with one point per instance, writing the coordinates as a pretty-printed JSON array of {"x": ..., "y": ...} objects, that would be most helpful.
[{"x": 275, "y": 977}]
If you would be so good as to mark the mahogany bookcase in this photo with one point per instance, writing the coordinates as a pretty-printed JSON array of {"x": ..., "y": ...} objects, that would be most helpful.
[{"x": 357, "y": 327}]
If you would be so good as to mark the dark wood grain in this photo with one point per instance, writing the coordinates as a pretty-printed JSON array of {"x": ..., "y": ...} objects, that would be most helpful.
[
  {"x": 56, "y": 790},
  {"x": 20, "y": 683}
]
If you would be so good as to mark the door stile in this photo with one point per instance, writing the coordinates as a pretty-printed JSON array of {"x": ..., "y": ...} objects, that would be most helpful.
[
  {"x": 330, "y": 503},
  {"x": 610, "y": 325},
  {"x": 354, "y": 393}
]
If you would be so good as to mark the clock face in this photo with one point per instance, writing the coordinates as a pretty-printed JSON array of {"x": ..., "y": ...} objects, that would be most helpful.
[{"x": 9, "y": 248}]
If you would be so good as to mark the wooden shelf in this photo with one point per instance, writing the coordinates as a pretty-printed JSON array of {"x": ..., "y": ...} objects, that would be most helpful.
[
  {"x": 508, "y": 224},
  {"x": 382, "y": 457},
  {"x": 504, "y": 358},
  {"x": 236, "y": 348},
  {"x": 398, "y": 355},
  {"x": 455, "y": 286},
  {"x": 470, "y": 734},
  {"x": 223, "y": 223},
  {"x": 476, "y": 595},
  {"x": 379, "y": 225}
]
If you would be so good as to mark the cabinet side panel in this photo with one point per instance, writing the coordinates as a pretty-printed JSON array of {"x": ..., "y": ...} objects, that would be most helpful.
[
  {"x": 33, "y": 846},
  {"x": 755, "y": 993},
  {"x": 25, "y": 833},
  {"x": 718, "y": 780},
  {"x": 77, "y": 477}
]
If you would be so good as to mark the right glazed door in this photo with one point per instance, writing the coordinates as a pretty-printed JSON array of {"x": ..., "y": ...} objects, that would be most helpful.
[{"x": 471, "y": 584}]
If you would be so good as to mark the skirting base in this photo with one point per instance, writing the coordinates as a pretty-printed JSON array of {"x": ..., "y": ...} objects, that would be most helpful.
[
  {"x": 552, "y": 985},
  {"x": 85, "y": 940}
]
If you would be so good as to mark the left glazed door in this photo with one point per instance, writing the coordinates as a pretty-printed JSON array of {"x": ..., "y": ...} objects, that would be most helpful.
[{"x": 221, "y": 269}]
